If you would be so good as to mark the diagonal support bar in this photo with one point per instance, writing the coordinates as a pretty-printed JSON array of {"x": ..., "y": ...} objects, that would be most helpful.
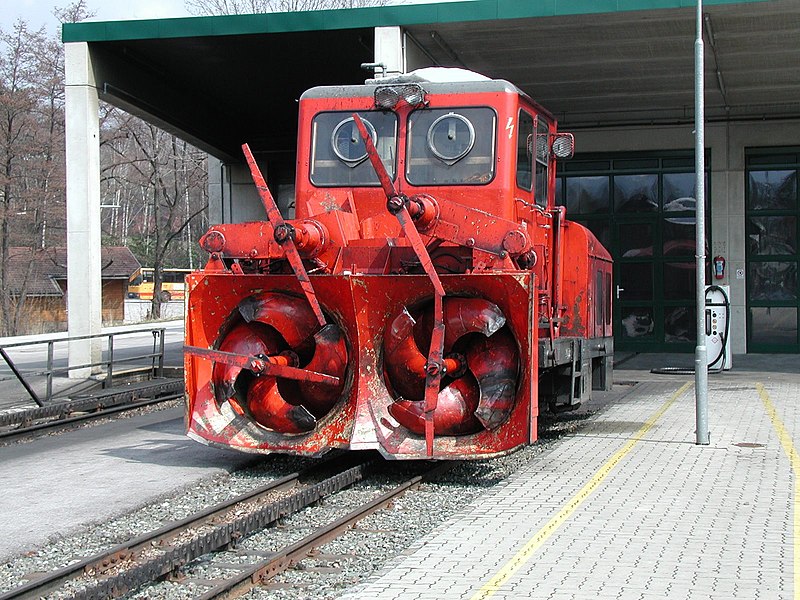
[
  {"x": 396, "y": 204},
  {"x": 262, "y": 366},
  {"x": 433, "y": 371},
  {"x": 284, "y": 234}
]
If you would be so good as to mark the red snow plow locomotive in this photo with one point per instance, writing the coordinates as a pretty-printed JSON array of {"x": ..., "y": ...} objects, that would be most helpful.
[{"x": 425, "y": 301}]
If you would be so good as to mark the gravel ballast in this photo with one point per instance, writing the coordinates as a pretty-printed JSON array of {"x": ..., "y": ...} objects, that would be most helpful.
[{"x": 349, "y": 560}]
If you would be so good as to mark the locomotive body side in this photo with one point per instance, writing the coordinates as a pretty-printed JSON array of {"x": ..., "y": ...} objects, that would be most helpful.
[{"x": 425, "y": 295}]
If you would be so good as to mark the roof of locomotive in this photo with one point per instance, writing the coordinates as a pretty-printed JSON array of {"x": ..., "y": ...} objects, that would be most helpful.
[{"x": 433, "y": 80}]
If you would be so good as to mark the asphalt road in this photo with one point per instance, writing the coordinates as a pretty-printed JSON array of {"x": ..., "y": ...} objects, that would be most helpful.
[{"x": 54, "y": 485}]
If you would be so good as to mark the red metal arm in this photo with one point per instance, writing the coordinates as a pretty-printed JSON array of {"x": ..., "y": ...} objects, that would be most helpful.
[
  {"x": 396, "y": 204},
  {"x": 284, "y": 235},
  {"x": 265, "y": 365}
]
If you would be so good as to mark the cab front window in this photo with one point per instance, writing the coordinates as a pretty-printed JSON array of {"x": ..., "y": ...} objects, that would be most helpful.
[
  {"x": 339, "y": 155},
  {"x": 451, "y": 146}
]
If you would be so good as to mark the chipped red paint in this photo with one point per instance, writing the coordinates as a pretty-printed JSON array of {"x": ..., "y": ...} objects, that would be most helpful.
[{"x": 403, "y": 318}]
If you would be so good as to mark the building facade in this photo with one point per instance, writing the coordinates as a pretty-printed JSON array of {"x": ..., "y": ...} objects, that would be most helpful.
[{"x": 618, "y": 75}]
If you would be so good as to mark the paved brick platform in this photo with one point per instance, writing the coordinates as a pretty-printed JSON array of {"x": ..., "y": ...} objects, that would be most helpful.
[{"x": 630, "y": 507}]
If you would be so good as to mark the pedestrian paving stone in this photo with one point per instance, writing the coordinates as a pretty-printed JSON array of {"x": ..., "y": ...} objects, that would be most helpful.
[{"x": 671, "y": 518}]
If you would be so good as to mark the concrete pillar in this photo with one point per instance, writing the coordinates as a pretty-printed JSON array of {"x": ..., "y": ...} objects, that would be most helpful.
[
  {"x": 389, "y": 50},
  {"x": 218, "y": 191},
  {"x": 84, "y": 289}
]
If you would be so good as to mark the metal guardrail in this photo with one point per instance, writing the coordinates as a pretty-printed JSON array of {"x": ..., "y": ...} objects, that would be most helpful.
[
  {"x": 156, "y": 358},
  {"x": 90, "y": 405}
]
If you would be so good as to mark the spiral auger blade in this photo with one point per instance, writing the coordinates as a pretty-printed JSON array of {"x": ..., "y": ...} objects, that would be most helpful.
[
  {"x": 454, "y": 414},
  {"x": 472, "y": 399},
  {"x": 494, "y": 362},
  {"x": 330, "y": 356},
  {"x": 241, "y": 340},
  {"x": 271, "y": 410},
  {"x": 405, "y": 364},
  {"x": 277, "y": 339}
]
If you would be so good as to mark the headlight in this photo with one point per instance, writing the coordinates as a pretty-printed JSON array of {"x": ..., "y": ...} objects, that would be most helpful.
[
  {"x": 389, "y": 96},
  {"x": 563, "y": 145}
]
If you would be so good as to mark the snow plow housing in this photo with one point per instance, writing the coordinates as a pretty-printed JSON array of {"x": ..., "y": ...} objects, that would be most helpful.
[{"x": 425, "y": 300}]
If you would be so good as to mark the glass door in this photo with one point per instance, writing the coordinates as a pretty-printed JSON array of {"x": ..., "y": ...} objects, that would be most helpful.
[
  {"x": 642, "y": 208},
  {"x": 771, "y": 229}
]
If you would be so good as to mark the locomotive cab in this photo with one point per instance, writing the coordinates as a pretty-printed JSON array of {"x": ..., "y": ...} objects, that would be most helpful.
[{"x": 426, "y": 297}]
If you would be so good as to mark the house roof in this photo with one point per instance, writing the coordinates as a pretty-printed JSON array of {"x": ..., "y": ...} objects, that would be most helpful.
[{"x": 35, "y": 271}]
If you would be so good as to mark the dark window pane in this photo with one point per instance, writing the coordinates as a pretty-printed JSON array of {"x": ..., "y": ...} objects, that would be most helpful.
[
  {"x": 674, "y": 163},
  {"x": 773, "y": 325},
  {"x": 679, "y": 236},
  {"x": 772, "y": 235},
  {"x": 637, "y": 323},
  {"x": 676, "y": 186},
  {"x": 586, "y": 165},
  {"x": 640, "y": 164},
  {"x": 524, "y": 158},
  {"x": 772, "y": 159},
  {"x": 637, "y": 281},
  {"x": 680, "y": 324},
  {"x": 773, "y": 280},
  {"x": 679, "y": 280},
  {"x": 679, "y": 192},
  {"x": 635, "y": 239},
  {"x": 560, "y": 192},
  {"x": 636, "y": 193},
  {"x": 587, "y": 194},
  {"x": 772, "y": 190}
]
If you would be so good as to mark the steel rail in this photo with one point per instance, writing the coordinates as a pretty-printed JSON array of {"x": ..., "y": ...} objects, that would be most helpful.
[
  {"x": 103, "y": 560},
  {"x": 99, "y": 413},
  {"x": 146, "y": 570},
  {"x": 282, "y": 560},
  {"x": 90, "y": 402}
]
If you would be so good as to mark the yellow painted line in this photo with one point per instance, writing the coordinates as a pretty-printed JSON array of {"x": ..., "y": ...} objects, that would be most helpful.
[
  {"x": 794, "y": 459},
  {"x": 524, "y": 555}
]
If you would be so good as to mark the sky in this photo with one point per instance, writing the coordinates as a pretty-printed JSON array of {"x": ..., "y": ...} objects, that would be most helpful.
[{"x": 39, "y": 13}]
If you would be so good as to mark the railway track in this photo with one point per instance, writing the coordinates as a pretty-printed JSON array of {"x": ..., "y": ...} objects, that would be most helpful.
[
  {"x": 60, "y": 415},
  {"x": 161, "y": 553}
]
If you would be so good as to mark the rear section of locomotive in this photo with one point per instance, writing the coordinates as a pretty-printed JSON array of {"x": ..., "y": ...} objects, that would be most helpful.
[{"x": 425, "y": 300}]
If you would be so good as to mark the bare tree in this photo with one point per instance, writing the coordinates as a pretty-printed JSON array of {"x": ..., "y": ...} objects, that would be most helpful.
[
  {"x": 157, "y": 181},
  {"x": 236, "y": 7},
  {"x": 31, "y": 155},
  {"x": 156, "y": 184},
  {"x": 74, "y": 13},
  {"x": 32, "y": 164}
]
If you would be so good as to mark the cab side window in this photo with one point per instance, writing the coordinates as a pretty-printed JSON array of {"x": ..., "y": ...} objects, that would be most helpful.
[
  {"x": 542, "y": 161},
  {"x": 524, "y": 150}
]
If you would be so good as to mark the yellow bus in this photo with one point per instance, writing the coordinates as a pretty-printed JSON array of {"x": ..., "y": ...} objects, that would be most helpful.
[{"x": 173, "y": 286}]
